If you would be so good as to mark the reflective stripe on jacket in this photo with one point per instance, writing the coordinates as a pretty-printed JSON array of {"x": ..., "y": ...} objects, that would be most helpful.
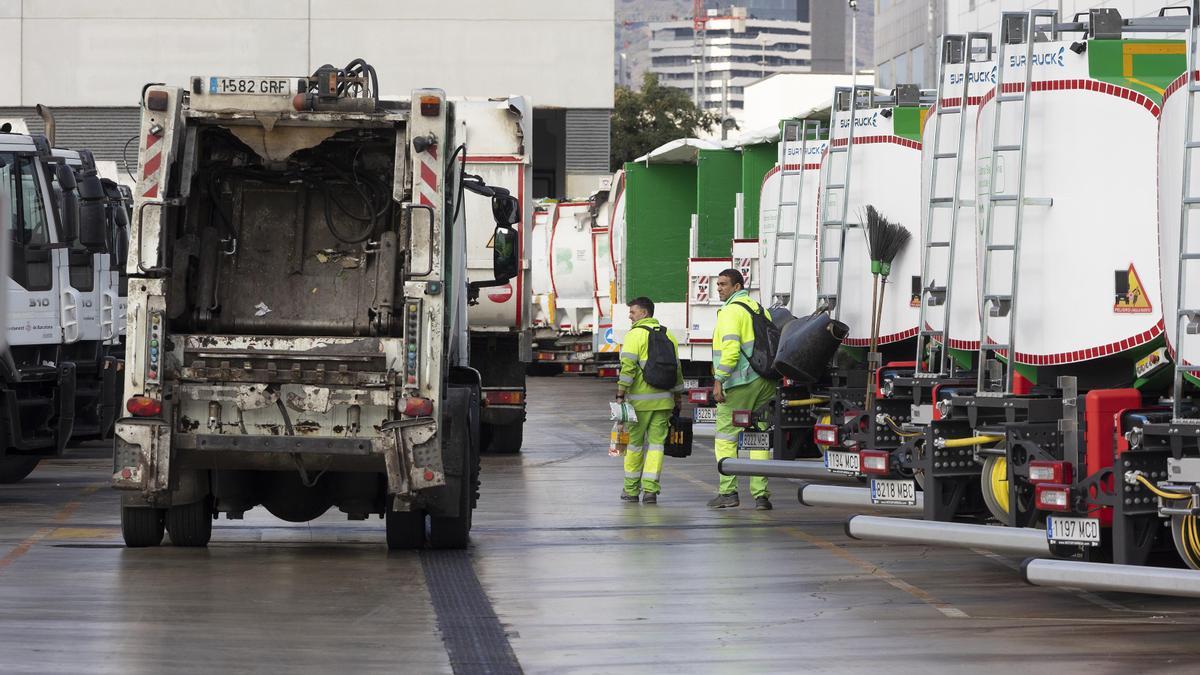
[
  {"x": 732, "y": 340},
  {"x": 634, "y": 353}
]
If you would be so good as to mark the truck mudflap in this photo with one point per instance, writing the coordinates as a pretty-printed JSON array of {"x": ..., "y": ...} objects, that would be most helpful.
[
  {"x": 65, "y": 404},
  {"x": 112, "y": 384},
  {"x": 412, "y": 458},
  {"x": 142, "y": 456}
]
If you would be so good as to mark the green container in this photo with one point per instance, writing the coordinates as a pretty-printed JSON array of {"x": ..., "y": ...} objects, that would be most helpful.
[
  {"x": 659, "y": 202},
  {"x": 757, "y": 161},
  {"x": 718, "y": 180}
]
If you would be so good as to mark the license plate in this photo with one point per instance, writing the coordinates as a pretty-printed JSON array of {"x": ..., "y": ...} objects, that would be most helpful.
[
  {"x": 1077, "y": 531},
  {"x": 754, "y": 440},
  {"x": 691, "y": 383},
  {"x": 705, "y": 415},
  {"x": 260, "y": 86},
  {"x": 894, "y": 492},
  {"x": 842, "y": 462}
]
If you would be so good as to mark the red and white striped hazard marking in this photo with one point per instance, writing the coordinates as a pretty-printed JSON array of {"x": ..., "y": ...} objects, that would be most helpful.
[
  {"x": 428, "y": 188},
  {"x": 150, "y": 169}
]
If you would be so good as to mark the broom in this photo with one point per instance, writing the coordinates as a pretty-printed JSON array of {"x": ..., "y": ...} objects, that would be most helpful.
[{"x": 885, "y": 240}]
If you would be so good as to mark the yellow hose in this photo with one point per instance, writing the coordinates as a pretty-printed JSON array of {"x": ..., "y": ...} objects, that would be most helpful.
[
  {"x": 971, "y": 441},
  {"x": 1153, "y": 488},
  {"x": 900, "y": 432},
  {"x": 805, "y": 402}
]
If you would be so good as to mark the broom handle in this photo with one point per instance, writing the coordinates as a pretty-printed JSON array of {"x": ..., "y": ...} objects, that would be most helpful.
[
  {"x": 877, "y": 322},
  {"x": 870, "y": 398}
]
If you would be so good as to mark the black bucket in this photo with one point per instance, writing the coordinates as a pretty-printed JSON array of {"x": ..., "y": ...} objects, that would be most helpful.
[{"x": 806, "y": 346}]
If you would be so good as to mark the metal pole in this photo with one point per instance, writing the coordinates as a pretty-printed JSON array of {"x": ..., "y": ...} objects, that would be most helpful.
[
  {"x": 803, "y": 469},
  {"x": 853, "y": 43},
  {"x": 1018, "y": 540},
  {"x": 1109, "y": 577},
  {"x": 814, "y": 494}
]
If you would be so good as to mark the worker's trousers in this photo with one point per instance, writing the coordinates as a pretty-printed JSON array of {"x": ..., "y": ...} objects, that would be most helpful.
[
  {"x": 748, "y": 396},
  {"x": 644, "y": 456}
]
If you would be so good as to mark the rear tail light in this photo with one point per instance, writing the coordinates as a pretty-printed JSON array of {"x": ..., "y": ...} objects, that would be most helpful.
[
  {"x": 825, "y": 434},
  {"x": 573, "y": 368},
  {"x": 415, "y": 406},
  {"x": 503, "y": 397},
  {"x": 875, "y": 462},
  {"x": 700, "y": 396},
  {"x": 143, "y": 406},
  {"x": 1052, "y": 497},
  {"x": 545, "y": 356},
  {"x": 608, "y": 372},
  {"x": 1041, "y": 471},
  {"x": 742, "y": 418}
]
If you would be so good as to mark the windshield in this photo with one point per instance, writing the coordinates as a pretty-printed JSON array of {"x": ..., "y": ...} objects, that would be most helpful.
[{"x": 18, "y": 175}]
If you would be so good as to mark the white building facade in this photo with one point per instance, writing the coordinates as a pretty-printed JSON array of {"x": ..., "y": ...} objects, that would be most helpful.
[
  {"x": 737, "y": 52},
  {"x": 89, "y": 60}
]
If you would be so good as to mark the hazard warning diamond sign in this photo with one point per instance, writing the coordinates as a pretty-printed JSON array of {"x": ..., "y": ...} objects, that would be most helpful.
[{"x": 1130, "y": 295}]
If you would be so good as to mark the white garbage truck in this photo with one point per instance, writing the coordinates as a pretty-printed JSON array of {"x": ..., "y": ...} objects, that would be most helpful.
[{"x": 297, "y": 319}]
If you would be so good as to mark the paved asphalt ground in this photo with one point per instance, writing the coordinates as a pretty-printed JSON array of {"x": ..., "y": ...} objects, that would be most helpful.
[{"x": 561, "y": 577}]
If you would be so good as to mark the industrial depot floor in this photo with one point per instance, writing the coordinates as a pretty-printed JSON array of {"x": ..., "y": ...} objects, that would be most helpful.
[{"x": 561, "y": 577}]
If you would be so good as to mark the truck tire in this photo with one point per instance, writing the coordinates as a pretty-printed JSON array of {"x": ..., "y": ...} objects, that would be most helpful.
[
  {"x": 190, "y": 524},
  {"x": 405, "y": 530},
  {"x": 454, "y": 532},
  {"x": 14, "y": 468},
  {"x": 141, "y": 527},
  {"x": 505, "y": 439}
]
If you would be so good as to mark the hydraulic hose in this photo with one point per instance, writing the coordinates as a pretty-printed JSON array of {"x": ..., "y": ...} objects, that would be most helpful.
[
  {"x": 1161, "y": 493},
  {"x": 967, "y": 442},
  {"x": 805, "y": 402},
  {"x": 898, "y": 431}
]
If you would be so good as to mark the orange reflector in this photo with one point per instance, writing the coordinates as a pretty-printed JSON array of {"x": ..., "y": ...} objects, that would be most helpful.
[
  {"x": 157, "y": 100},
  {"x": 504, "y": 397},
  {"x": 416, "y": 406},
  {"x": 431, "y": 106},
  {"x": 143, "y": 406}
]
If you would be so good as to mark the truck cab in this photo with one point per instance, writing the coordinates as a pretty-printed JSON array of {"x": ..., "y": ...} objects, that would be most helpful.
[
  {"x": 297, "y": 319},
  {"x": 37, "y": 385},
  {"x": 90, "y": 284}
]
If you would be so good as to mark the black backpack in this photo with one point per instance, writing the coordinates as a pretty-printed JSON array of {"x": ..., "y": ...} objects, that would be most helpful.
[
  {"x": 662, "y": 363},
  {"x": 766, "y": 342}
]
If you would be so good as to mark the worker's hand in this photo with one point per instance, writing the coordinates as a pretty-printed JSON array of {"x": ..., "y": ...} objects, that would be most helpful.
[
  {"x": 718, "y": 393},
  {"x": 620, "y": 396}
]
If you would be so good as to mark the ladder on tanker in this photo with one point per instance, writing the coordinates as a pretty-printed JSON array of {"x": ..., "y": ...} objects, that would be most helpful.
[
  {"x": 1187, "y": 319},
  {"x": 795, "y": 133},
  {"x": 956, "y": 49},
  {"x": 829, "y": 284},
  {"x": 995, "y": 301}
]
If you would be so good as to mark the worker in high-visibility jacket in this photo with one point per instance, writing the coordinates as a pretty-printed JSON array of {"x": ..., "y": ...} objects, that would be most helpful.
[
  {"x": 648, "y": 436},
  {"x": 737, "y": 386}
]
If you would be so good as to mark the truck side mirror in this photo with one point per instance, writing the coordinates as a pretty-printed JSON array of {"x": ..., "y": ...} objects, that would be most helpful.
[
  {"x": 93, "y": 216},
  {"x": 506, "y": 210},
  {"x": 65, "y": 177},
  {"x": 506, "y": 261}
]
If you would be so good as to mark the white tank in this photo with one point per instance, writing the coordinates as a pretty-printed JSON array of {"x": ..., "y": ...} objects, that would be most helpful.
[
  {"x": 885, "y": 172},
  {"x": 573, "y": 267},
  {"x": 539, "y": 253},
  {"x": 802, "y": 279},
  {"x": 1171, "y": 156},
  {"x": 963, "y": 303},
  {"x": 1088, "y": 276}
]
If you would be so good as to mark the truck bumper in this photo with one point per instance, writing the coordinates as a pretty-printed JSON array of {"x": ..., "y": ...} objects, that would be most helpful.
[{"x": 406, "y": 451}]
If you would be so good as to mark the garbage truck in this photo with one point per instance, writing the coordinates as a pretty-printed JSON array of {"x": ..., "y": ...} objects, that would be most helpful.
[{"x": 297, "y": 313}]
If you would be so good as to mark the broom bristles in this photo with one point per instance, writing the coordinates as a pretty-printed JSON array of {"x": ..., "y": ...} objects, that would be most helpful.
[{"x": 885, "y": 240}]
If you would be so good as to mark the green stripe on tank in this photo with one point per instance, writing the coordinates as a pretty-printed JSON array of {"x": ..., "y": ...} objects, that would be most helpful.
[{"x": 1146, "y": 66}]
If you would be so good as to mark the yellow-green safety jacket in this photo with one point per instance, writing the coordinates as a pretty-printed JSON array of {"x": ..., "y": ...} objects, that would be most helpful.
[
  {"x": 634, "y": 353},
  {"x": 732, "y": 340}
]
